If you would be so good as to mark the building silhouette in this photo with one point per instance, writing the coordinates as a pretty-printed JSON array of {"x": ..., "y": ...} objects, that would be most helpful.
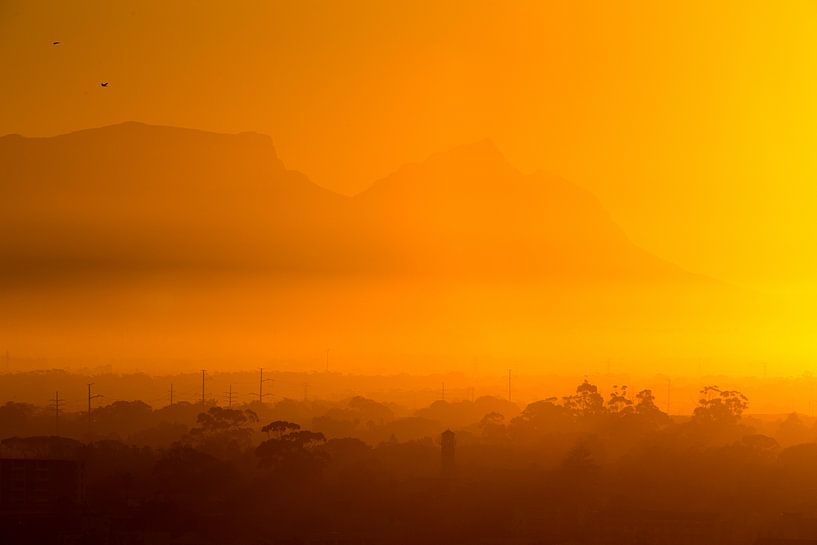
[
  {"x": 40, "y": 501},
  {"x": 31, "y": 485}
]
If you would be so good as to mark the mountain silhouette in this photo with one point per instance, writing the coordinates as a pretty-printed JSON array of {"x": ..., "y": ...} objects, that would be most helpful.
[
  {"x": 139, "y": 196},
  {"x": 133, "y": 197},
  {"x": 470, "y": 210}
]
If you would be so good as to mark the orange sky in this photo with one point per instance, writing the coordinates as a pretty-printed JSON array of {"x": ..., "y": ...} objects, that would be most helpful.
[{"x": 692, "y": 121}]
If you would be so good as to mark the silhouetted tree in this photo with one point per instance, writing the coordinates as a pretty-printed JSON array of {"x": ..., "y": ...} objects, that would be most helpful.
[
  {"x": 218, "y": 419},
  {"x": 279, "y": 427},
  {"x": 619, "y": 403},
  {"x": 542, "y": 417},
  {"x": 224, "y": 432},
  {"x": 648, "y": 412},
  {"x": 586, "y": 402},
  {"x": 722, "y": 407},
  {"x": 293, "y": 453},
  {"x": 493, "y": 426},
  {"x": 304, "y": 437},
  {"x": 369, "y": 410},
  {"x": 123, "y": 417}
]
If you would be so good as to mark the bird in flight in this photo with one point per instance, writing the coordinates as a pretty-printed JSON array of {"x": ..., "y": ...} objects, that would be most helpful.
[
  {"x": 55, "y": 43},
  {"x": 104, "y": 84}
]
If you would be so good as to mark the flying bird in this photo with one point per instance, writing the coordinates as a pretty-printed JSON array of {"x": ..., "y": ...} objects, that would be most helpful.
[
  {"x": 104, "y": 84},
  {"x": 55, "y": 43}
]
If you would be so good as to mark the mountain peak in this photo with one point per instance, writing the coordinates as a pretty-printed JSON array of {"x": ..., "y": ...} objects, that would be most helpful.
[
  {"x": 480, "y": 154},
  {"x": 468, "y": 167}
]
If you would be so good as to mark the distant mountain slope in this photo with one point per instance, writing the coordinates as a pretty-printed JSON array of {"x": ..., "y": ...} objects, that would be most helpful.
[{"x": 133, "y": 197}]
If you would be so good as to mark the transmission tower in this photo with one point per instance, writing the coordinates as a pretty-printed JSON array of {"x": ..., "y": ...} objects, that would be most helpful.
[
  {"x": 91, "y": 397},
  {"x": 261, "y": 381},
  {"x": 57, "y": 404}
]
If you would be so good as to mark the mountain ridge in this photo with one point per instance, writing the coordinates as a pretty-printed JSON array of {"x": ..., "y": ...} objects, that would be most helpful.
[{"x": 138, "y": 193}]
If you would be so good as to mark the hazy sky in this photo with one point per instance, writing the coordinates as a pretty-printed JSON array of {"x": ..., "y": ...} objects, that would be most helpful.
[{"x": 694, "y": 122}]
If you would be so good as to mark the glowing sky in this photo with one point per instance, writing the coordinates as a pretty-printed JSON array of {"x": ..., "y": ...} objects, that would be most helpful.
[{"x": 694, "y": 122}]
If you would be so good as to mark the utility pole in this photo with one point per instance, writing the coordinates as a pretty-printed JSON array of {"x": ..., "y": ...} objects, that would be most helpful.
[
  {"x": 90, "y": 398},
  {"x": 261, "y": 381},
  {"x": 203, "y": 372},
  {"x": 57, "y": 405},
  {"x": 509, "y": 384},
  {"x": 229, "y": 396}
]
